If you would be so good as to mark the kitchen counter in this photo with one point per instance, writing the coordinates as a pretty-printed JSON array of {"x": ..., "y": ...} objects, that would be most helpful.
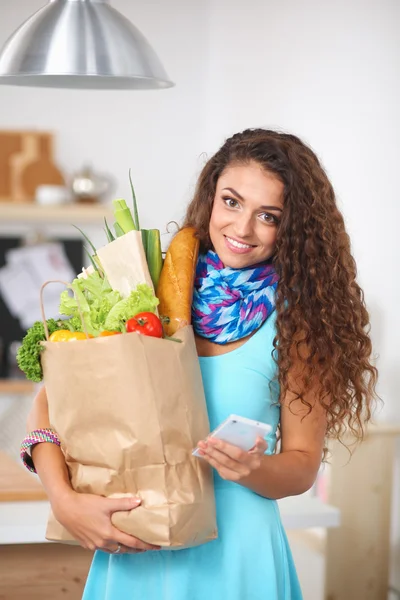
[{"x": 16, "y": 484}]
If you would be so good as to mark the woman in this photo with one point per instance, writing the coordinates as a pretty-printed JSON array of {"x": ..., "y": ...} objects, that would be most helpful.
[{"x": 281, "y": 330}]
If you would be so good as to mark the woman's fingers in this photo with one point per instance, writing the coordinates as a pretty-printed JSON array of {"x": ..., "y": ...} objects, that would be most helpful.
[
  {"x": 231, "y": 462},
  {"x": 118, "y": 549},
  {"x": 131, "y": 542},
  {"x": 122, "y": 504},
  {"x": 234, "y": 452},
  {"x": 220, "y": 457},
  {"x": 223, "y": 471},
  {"x": 260, "y": 446}
]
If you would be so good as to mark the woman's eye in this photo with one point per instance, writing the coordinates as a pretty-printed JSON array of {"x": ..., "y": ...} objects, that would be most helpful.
[
  {"x": 268, "y": 218},
  {"x": 231, "y": 202}
]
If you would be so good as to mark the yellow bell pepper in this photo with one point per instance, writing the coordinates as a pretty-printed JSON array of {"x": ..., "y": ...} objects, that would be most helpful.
[
  {"x": 61, "y": 335},
  {"x": 65, "y": 335}
]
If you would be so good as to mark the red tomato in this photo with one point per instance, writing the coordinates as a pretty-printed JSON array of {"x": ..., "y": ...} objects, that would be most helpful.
[{"x": 146, "y": 323}]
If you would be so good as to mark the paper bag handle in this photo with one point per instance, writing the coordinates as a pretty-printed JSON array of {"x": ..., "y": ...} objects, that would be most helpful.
[{"x": 68, "y": 285}]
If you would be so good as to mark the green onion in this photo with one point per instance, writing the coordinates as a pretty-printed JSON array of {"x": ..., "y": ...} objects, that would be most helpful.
[
  {"x": 135, "y": 209},
  {"x": 108, "y": 231},
  {"x": 86, "y": 238},
  {"x": 95, "y": 267}
]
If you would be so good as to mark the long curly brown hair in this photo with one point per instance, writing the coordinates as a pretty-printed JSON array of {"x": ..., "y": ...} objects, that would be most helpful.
[{"x": 320, "y": 307}]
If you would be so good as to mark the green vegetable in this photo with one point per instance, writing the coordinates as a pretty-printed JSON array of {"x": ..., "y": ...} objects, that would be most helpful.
[
  {"x": 108, "y": 231},
  {"x": 140, "y": 300},
  {"x": 96, "y": 299},
  {"x": 91, "y": 258},
  {"x": 28, "y": 355},
  {"x": 135, "y": 209},
  {"x": 94, "y": 259},
  {"x": 102, "y": 307},
  {"x": 152, "y": 247},
  {"x": 119, "y": 232},
  {"x": 123, "y": 216}
]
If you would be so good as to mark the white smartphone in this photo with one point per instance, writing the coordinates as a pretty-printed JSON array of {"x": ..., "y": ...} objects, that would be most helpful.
[{"x": 239, "y": 431}]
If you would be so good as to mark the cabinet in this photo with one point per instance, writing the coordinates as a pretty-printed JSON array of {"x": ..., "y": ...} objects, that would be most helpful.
[{"x": 359, "y": 565}]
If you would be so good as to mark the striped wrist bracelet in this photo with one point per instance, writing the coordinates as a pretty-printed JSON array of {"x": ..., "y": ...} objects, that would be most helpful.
[{"x": 37, "y": 436}]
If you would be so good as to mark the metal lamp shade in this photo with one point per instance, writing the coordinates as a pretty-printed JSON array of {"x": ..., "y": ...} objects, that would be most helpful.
[{"x": 80, "y": 44}]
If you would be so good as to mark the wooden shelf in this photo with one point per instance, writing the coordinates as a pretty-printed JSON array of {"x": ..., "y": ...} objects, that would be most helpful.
[
  {"x": 16, "y": 387},
  {"x": 68, "y": 213}
]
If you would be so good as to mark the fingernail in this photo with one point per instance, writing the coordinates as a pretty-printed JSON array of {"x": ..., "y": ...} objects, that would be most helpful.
[{"x": 136, "y": 501}]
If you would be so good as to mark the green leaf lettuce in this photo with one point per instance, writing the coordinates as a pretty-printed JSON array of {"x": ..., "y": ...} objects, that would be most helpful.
[{"x": 140, "y": 300}]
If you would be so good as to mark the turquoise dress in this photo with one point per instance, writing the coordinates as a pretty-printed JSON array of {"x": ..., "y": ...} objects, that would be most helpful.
[{"x": 251, "y": 559}]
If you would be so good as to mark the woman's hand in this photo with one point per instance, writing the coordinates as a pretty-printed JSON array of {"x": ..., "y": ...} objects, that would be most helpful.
[
  {"x": 88, "y": 518},
  {"x": 232, "y": 463}
]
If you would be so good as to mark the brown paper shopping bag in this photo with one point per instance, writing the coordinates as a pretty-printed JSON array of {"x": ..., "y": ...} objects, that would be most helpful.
[{"x": 129, "y": 409}]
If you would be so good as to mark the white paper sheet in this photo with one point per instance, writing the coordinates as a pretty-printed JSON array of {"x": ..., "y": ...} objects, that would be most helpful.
[{"x": 26, "y": 270}]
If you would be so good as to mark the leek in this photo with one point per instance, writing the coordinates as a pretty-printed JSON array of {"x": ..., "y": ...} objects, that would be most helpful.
[
  {"x": 152, "y": 247},
  {"x": 119, "y": 232},
  {"x": 123, "y": 216},
  {"x": 125, "y": 222}
]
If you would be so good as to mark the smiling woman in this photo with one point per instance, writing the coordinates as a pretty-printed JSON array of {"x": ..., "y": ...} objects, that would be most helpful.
[{"x": 275, "y": 282}]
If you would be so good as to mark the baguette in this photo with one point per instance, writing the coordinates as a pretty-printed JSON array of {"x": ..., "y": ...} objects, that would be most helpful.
[{"x": 175, "y": 288}]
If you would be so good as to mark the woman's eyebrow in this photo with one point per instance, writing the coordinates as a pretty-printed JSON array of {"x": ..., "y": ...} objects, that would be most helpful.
[{"x": 235, "y": 193}]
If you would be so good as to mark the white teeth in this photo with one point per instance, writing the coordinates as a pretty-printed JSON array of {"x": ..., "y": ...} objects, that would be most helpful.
[{"x": 238, "y": 244}]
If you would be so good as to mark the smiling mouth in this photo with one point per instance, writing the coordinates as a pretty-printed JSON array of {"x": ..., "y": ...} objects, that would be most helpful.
[{"x": 237, "y": 244}]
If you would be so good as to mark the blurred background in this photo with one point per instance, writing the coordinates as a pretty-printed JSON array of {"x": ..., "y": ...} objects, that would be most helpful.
[{"x": 325, "y": 71}]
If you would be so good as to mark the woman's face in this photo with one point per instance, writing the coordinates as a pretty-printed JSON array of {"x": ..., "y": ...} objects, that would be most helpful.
[{"x": 247, "y": 208}]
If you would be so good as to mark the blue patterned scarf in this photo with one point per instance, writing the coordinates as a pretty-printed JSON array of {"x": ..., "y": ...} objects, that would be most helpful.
[{"x": 229, "y": 304}]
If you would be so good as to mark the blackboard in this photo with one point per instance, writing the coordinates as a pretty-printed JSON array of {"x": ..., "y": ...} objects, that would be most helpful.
[{"x": 10, "y": 330}]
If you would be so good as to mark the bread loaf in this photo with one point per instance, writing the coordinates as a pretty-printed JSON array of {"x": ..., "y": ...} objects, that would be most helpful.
[{"x": 175, "y": 288}]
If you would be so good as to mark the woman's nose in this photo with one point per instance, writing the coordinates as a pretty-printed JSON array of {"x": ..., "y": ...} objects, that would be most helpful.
[{"x": 244, "y": 226}]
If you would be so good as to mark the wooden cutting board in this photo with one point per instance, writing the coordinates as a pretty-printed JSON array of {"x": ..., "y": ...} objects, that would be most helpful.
[
  {"x": 41, "y": 170},
  {"x": 26, "y": 161},
  {"x": 16, "y": 484},
  {"x": 10, "y": 143},
  {"x": 18, "y": 162}
]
